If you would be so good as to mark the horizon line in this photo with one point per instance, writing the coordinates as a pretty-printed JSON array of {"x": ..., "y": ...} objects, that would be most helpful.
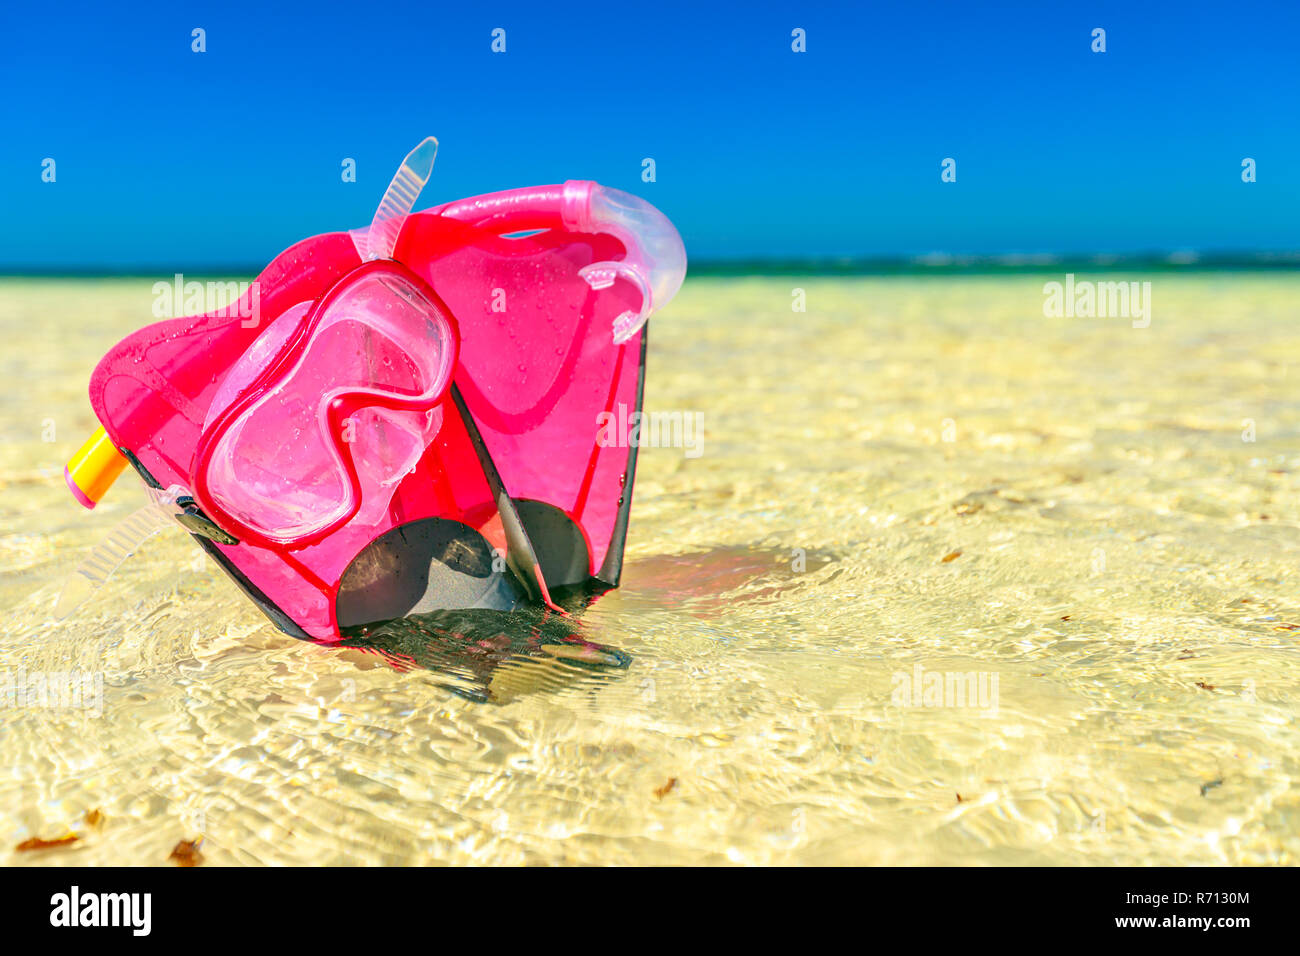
[{"x": 927, "y": 264}]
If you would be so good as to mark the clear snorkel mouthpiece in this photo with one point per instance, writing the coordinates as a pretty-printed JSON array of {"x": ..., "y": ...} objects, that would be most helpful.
[
  {"x": 379, "y": 241},
  {"x": 122, "y": 542}
]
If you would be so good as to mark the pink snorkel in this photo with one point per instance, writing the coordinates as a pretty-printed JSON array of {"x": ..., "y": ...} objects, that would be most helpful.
[{"x": 411, "y": 423}]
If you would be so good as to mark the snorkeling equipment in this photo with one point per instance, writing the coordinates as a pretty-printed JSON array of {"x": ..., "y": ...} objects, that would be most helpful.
[{"x": 403, "y": 418}]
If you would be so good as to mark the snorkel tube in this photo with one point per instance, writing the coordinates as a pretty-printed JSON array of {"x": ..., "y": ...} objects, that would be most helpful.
[
  {"x": 93, "y": 469},
  {"x": 654, "y": 260}
]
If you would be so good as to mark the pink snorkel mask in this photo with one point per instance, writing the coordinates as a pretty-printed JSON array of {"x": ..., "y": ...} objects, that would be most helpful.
[
  {"x": 413, "y": 421},
  {"x": 331, "y": 406}
]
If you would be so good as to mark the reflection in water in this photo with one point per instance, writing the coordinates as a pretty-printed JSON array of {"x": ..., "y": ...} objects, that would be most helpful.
[
  {"x": 706, "y": 583},
  {"x": 494, "y": 656}
]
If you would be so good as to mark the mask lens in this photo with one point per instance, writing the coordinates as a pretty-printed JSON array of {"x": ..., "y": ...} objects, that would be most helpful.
[{"x": 279, "y": 467}]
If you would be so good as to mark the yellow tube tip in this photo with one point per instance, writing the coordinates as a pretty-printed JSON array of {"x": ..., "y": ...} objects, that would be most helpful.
[{"x": 93, "y": 469}]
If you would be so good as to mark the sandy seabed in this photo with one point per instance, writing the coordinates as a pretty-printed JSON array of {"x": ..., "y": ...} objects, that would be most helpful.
[{"x": 1085, "y": 531}]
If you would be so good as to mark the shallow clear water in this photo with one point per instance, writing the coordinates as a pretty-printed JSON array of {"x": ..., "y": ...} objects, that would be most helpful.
[{"x": 1129, "y": 574}]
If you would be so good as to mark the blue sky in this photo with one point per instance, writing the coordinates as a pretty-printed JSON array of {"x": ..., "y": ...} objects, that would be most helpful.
[{"x": 169, "y": 158}]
